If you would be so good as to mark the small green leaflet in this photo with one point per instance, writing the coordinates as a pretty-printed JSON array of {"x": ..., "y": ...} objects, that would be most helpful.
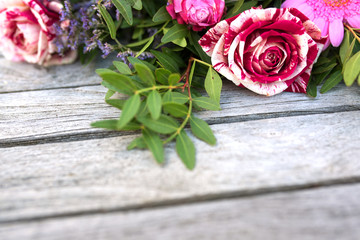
[
  {"x": 164, "y": 124},
  {"x": 178, "y": 31},
  {"x": 125, "y": 10},
  {"x": 118, "y": 103},
  {"x": 331, "y": 82},
  {"x": 175, "y": 97},
  {"x": 138, "y": 142},
  {"x": 122, "y": 67},
  {"x": 154, "y": 104},
  {"x": 151, "y": 39},
  {"x": 155, "y": 145},
  {"x": 185, "y": 149},
  {"x": 107, "y": 124},
  {"x": 161, "y": 15},
  {"x": 352, "y": 69},
  {"x": 130, "y": 109},
  {"x": 145, "y": 74},
  {"x": 207, "y": 103},
  {"x": 213, "y": 84},
  {"x": 176, "y": 109},
  {"x": 108, "y": 20},
  {"x": 134, "y": 61},
  {"x": 201, "y": 130},
  {"x": 166, "y": 61},
  {"x": 162, "y": 75},
  {"x": 118, "y": 82},
  {"x": 173, "y": 79}
]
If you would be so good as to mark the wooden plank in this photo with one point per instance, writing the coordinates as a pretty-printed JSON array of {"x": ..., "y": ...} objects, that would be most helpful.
[
  {"x": 23, "y": 76},
  {"x": 101, "y": 175},
  {"x": 318, "y": 214},
  {"x": 26, "y": 116}
]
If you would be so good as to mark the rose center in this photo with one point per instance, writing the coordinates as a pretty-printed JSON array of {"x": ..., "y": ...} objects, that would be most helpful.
[{"x": 199, "y": 15}]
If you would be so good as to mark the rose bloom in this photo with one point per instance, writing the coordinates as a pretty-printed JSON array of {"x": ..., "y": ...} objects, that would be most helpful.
[
  {"x": 27, "y": 32},
  {"x": 265, "y": 50},
  {"x": 197, "y": 13}
]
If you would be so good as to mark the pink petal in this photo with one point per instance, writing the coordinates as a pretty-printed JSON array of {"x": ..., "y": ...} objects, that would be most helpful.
[
  {"x": 292, "y": 3},
  {"x": 336, "y": 32},
  {"x": 323, "y": 25},
  {"x": 354, "y": 21},
  {"x": 307, "y": 10}
]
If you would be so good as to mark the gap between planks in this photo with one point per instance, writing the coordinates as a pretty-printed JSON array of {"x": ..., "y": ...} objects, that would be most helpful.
[{"x": 196, "y": 200}]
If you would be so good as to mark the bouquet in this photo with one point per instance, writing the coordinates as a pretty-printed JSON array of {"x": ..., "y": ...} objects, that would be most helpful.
[{"x": 172, "y": 55}]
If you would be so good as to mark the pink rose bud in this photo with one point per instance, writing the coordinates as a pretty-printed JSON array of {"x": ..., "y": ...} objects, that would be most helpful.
[
  {"x": 265, "y": 50},
  {"x": 27, "y": 31},
  {"x": 197, "y": 13}
]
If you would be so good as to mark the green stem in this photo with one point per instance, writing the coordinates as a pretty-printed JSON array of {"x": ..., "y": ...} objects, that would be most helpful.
[
  {"x": 202, "y": 62},
  {"x": 155, "y": 88},
  {"x": 352, "y": 31}
]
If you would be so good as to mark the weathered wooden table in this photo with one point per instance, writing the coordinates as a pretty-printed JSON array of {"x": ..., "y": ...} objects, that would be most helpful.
[{"x": 285, "y": 167}]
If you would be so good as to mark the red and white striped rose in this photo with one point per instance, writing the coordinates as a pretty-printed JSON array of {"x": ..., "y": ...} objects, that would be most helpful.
[
  {"x": 27, "y": 31},
  {"x": 199, "y": 14},
  {"x": 265, "y": 50}
]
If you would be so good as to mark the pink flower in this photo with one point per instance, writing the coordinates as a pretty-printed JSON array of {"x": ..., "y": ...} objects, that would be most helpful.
[
  {"x": 27, "y": 31},
  {"x": 329, "y": 15},
  {"x": 197, "y": 13},
  {"x": 265, "y": 50}
]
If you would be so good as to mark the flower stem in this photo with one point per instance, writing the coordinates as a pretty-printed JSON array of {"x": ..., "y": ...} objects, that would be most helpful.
[{"x": 353, "y": 32}]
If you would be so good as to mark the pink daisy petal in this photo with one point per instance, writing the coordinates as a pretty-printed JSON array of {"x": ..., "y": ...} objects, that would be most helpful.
[
  {"x": 323, "y": 25},
  {"x": 292, "y": 3},
  {"x": 354, "y": 21},
  {"x": 336, "y": 32}
]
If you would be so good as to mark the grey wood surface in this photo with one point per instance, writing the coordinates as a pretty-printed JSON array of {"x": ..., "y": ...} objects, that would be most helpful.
[
  {"x": 57, "y": 173},
  {"x": 316, "y": 214}
]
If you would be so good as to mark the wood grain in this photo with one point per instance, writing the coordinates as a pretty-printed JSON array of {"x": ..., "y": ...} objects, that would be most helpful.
[
  {"x": 101, "y": 175},
  {"x": 65, "y": 113},
  {"x": 318, "y": 214},
  {"x": 24, "y": 77}
]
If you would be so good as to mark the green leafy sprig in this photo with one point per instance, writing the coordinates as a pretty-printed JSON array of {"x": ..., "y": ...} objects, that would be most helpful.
[{"x": 161, "y": 105}]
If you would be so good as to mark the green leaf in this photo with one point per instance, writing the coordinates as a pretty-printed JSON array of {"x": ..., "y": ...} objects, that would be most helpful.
[
  {"x": 166, "y": 61},
  {"x": 145, "y": 74},
  {"x": 207, "y": 103},
  {"x": 344, "y": 46},
  {"x": 129, "y": 111},
  {"x": 180, "y": 42},
  {"x": 108, "y": 20},
  {"x": 311, "y": 89},
  {"x": 161, "y": 15},
  {"x": 235, "y": 10},
  {"x": 174, "y": 79},
  {"x": 138, "y": 5},
  {"x": 352, "y": 69},
  {"x": 118, "y": 82},
  {"x": 349, "y": 52},
  {"x": 108, "y": 124},
  {"x": 324, "y": 68},
  {"x": 162, "y": 75},
  {"x": 138, "y": 142},
  {"x": 122, "y": 67},
  {"x": 213, "y": 84},
  {"x": 155, "y": 145},
  {"x": 331, "y": 82},
  {"x": 201, "y": 130},
  {"x": 139, "y": 43},
  {"x": 185, "y": 149},
  {"x": 164, "y": 124},
  {"x": 154, "y": 104},
  {"x": 109, "y": 94},
  {"x": 175, "y": 97},
  {"x": 118, "y": 103},
  {"x": 146, "y": 46},
  {"x": 125, "y": 10},
  {"x": 134, "y": 61},
  {"x": 176, "y": 109},
  {"x": 194, "y": 40},
  {"x": 177, "y": 31}
]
